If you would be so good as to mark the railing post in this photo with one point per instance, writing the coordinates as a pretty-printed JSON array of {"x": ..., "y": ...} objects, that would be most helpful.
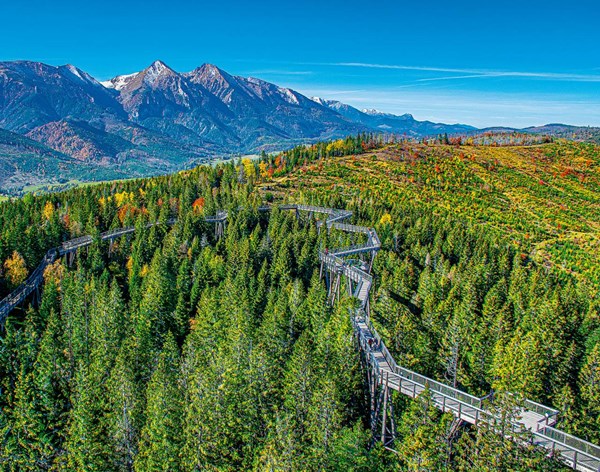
[
  {"x": 385, "y": 400},
  {"x": 373, "y": 389}
]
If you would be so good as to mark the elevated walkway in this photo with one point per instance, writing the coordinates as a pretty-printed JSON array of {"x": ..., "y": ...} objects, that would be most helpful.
[{"x": 383, "y": 373}]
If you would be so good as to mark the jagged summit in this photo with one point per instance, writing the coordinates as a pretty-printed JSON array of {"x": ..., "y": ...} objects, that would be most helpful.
[
  {"x": 207, "y": 70},
  {"x": 150, "y": 75},
  {"x": 118, "y": 82},
  {"x": 156, "y": 71},
  {"x": 210, "y": 76}
]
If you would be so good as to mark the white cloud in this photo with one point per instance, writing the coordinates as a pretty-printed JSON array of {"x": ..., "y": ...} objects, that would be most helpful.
[
  {"x": 475, "y": 108},
  {"x": 472, "y": 73},
  {"x": 280, "y": 72}
]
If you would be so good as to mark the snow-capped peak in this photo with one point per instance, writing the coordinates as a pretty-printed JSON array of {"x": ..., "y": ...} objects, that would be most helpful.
[
  {"x": 119, "y": 81},
  {"x": 79, "y": 74},
  {"x": 372, "y": 111},
  {"x": 148, "y": 75},
  {"x": 288, "y": 95},
  {"x": 156, "y": 70}
]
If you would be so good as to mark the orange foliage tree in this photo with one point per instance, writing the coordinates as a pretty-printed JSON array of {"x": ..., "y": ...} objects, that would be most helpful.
[
  {"x": 125, "y": 210},
  {"x": 198, "y": 205}
]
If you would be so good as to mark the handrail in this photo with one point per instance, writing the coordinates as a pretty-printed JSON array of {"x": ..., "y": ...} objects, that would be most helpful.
[
  {"x": 575, "y": 452},
  {"x": 541, "y": 409},
  {"x": 581, "y": 445},
  {"x": 352, "y": 228},
  {"x": 568, "y": 453},
  {"x": 423, "y": 380},
  {"x": 355, "y": 249}
]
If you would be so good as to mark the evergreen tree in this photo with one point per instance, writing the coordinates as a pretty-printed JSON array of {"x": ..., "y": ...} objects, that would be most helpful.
[
  {"x": 161, "y": 437},
  {"x": 421, "y": 432},
  {"x": 589, "y": 385}
]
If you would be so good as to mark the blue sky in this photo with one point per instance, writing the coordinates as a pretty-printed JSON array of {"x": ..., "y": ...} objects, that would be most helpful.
[{"x": 516, "y": 63}]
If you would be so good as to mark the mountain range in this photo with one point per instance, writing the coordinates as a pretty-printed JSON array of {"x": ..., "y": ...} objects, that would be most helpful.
[{"x": 159, "y": 120}]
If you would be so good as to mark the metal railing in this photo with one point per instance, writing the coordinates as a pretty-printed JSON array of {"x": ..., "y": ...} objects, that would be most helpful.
[
  {"x": 337, "y": 264},
  {"x": 34, "y": 280},
  {"x": 573, "y": 451},
  {"x": 581, "y": 454},
  {"x": 422, "y": 380},
  {"x": 17, "y": 296},
  {"x": 351, "y": 228},
  {"x": 546, "y": 411},
  {"x": 354, "y": 249}
]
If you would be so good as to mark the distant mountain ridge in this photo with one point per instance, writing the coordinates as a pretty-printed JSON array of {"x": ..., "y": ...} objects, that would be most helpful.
[
  {"x": 387, "y": 122},
  {"x": 159, "y": 120},
  {"x": 206, "y": 109}
]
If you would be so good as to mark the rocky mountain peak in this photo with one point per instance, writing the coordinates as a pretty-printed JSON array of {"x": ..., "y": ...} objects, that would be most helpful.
[
  {"x": 156, "y": 71},
  {"x": 211, "y": 70},
  {"x": 154, "y": 76},
  {"x": 208, "y": 74}
]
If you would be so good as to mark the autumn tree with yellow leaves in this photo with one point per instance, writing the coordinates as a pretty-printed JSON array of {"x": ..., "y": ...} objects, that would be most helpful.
[
  {"x": 15, "y": 269},
  {"x": 48, "y": 211}
]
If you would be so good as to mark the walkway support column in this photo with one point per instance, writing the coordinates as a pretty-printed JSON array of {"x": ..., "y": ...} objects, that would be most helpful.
[{"x": 385, "y": 403}]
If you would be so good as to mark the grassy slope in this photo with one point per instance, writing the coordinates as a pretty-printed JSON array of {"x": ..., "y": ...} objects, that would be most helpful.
[{"x": 545, "y": 198}]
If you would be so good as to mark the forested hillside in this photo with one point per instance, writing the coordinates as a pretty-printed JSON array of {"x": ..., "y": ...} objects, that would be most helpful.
[
  {"x": 542, "y": 199},
  {"x": 174, "y": 350}
]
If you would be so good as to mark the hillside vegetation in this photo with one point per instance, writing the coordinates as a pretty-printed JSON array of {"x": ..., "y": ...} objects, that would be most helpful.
[
  {"x": 172, "y": 350},
  {"x": 545, "y": 199}
]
